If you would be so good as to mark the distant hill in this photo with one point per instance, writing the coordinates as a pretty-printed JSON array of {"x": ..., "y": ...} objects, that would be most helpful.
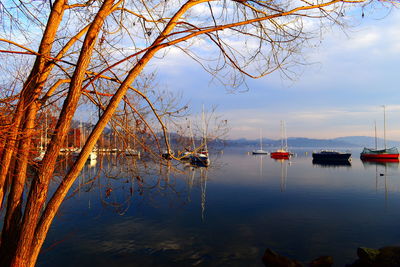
[
  {"x": 348, "y": 141},
  {"x": 367, "y": 141},
  {"x": 323, "y": 143}
]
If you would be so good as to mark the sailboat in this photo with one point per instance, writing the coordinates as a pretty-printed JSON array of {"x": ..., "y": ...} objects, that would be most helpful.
[
  {"x": 282, "y": 153},
  {"x": 380, "y": 154},
  {"x": 260, "y": 151},
  {"x": 200, "y": 158},
  {"x": 93, "y": 154},
  {"x": 43, "y": 142},
  {"x": 186, "y": 155},
  {"x": 168, "y": 153},
  {"x": 77, "y": 151},
  {"x": 128, "y": 150}
]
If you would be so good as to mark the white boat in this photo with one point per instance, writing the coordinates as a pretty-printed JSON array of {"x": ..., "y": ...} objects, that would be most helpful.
[
  {"x": 43, "y": 142},
  {"x": 64, "y": 150},
  {"x": 260, "y": 151},
  {"x": 186, "y": 155},
  {"x": 92, "y": 155},
  {"x": 201, "y": 157},
  {"x": 40, "y": 157},
  {"x": 115, "y": 150},
  {"x": 76, "y": 152},
  {"x": 132, "y": 152}
]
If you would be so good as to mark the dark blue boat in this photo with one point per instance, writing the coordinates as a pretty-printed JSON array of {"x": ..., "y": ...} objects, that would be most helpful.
[{"x": 331, "y": 156}]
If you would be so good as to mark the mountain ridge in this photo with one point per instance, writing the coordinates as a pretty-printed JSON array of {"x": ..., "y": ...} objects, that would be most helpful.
[{"x": 345, "y": 141}]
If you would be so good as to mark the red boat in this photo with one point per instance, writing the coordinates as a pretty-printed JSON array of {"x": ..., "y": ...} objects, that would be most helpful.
[
  {"x": 375, "y": 160},
  {"x": 386, "y": 154},
  {"x": 280, "y": 154},
  {"x": 381, "y": 154}
]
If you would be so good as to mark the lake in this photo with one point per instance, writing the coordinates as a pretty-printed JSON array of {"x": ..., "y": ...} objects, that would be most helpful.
[{"x": 224, "y": 215}]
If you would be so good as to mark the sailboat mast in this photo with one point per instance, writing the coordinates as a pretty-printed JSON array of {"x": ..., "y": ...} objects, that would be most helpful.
[
  {"x": 81, "y": 137},
  {"x": 376, "y": 141},
  {"x": 191, "y": 136},
  {"x": 204, "y": 129},
  {"x": 284, "y": 132},
  {"x": 261, "y": 139},
  {"x": 282, "y": 135},
  {"x": 384, "y": 124}
]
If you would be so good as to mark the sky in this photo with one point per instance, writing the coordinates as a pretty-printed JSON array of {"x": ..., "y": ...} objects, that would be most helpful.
[{"x": 340, "y": 92}]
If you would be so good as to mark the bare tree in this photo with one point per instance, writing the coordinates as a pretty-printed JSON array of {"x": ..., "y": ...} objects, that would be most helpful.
[{"x": 97, "y": 51}]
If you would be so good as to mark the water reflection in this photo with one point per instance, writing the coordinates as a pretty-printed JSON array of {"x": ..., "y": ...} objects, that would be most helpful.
[
  {"x": 176, "y": 215},
  {"x": 390, "y": 163},
  {"x": 260, "y": 158},
  {"x": 198, "y": 176},
  {"x": 283, "y": 163},
  {"x": 284, "y": 167},
  {"x": 331, "y": 164},
  {"x": 385, "y": 170}
]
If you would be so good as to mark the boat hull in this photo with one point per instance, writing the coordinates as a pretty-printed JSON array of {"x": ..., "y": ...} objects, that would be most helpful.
[
  {"x": 280, "y": 155},
  {"x": 200, "y": 161},
  {"x": 331, "y": 156},
  {"x": 379, "y": 156},
  {"x": 382, "y": 154},
  {"x": 380, "y": 161},
  {"x": 260, "y": 152}
]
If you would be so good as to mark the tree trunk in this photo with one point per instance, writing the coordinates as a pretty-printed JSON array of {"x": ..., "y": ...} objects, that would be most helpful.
[
  {"x": 12, "y": 221},
  {"x": 39, "y": 188},
  {"x": 58, "y": 197},
  {"x": 33, "y": 86},
  {"x": 19, "y": 140}
]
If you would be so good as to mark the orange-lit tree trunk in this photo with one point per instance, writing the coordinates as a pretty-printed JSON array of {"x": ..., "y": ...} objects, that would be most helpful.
[
  {"x": 30, "y": 93},
  {"x": 38, "y": 192},
  {"x": 57, "y": 198},
  {"x": 19, "y": 139}
]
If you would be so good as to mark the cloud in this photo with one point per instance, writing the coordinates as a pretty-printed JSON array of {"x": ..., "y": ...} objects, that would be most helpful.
[
  {"x": 339, "y": 94},
  {"x": 365, "y": 39}
]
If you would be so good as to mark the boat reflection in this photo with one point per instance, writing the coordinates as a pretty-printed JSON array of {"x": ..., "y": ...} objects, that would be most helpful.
[
  {"x": 392, "y": 163},
  {"x": 331, "y": 163},
  {"x": 284, "y": 172},
  {"x": 260, "y": 164},
  {"x": 280, "y": 157},
  {"x": 191, "y": 180}
]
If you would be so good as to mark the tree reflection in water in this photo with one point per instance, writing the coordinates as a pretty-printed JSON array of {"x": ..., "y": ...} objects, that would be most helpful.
[
  {"x": 126, "y": 186},
  {"x": 119, "y": 181}
]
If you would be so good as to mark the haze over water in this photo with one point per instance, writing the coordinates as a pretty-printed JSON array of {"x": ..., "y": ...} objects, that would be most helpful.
[{"x": 227, "y": 214}]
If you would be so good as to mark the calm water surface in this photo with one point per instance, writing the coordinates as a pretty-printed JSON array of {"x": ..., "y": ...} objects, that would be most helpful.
[{"x": 226, "y": 215}]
